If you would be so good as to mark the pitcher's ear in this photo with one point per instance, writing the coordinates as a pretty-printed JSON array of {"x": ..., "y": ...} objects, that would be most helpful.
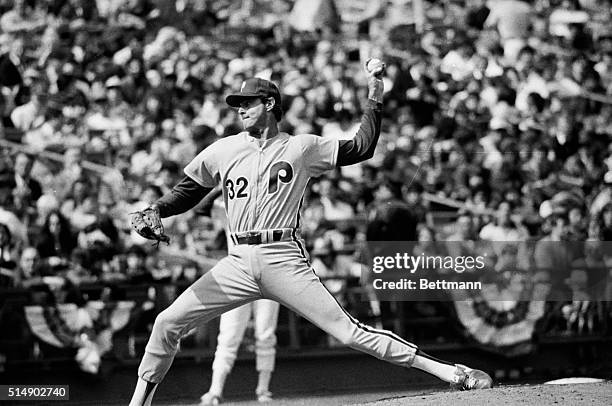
[{"x": 270, "y": 103}]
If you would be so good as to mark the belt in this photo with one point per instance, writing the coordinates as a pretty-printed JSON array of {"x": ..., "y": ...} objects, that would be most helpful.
[{"x": 262, "y": 236}]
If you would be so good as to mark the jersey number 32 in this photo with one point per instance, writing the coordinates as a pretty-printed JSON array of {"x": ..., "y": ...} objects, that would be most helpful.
[{"x": 281, "y": 171}]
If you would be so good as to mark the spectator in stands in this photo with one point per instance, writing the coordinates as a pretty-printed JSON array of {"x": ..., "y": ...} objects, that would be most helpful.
[
  {"x": 102, "y": 234},
  {"x": 477, "y": 14},
  {"x": 462, "y": 241},
  {"x": 390, "y": 218},
  {"x": 502, "y": 228},
  {"x": 71, "y": 171},
  {"x": 31, "y": 115},
  {"x": 27, "y": 189},
  {"x": 565, "y": 17},
  {"x": 503, "y": 235},
  {"x": 604, "y": 196},
  {"x": 552, "y": 253},
  {"x": 30, "y": 271},
  {"x": 464, "y": 228},
  {"x": 537, "y": 166},
  {"x": 22, "y": 18},
  {"x": 10, "y": 76},
  {"x": 7, "y": 262},
  {"x": 428, "y": 243},
  {"x": 512, "y": 19},
  {"x": 7, "y": 215},
  {"x": 198, "y": 138},
  {"x": 49, "y": 133},
  {"x": 136, "y": 271},
  {"x": 4, "y": 119},
  {"x": 577, "y": 224},
  {"x": 56, "y": 238},
  {"x": 334, "y": 208},
  {"x": 413, "y": 195},
  {"x": 79, "y": 205},
  {"x": 605, "y": 222},
  {"x": 344, "y": 128}
]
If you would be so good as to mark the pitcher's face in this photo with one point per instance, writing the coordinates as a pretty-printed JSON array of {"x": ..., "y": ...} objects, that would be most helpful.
[{"x": 253, "y": 114}]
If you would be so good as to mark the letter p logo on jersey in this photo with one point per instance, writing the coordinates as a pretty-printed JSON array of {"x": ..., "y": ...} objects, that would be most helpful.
[{"x": 282, "y": 171}]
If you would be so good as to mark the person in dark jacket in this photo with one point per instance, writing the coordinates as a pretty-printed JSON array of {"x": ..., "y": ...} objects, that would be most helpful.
[{"x": 56, "y": 238}]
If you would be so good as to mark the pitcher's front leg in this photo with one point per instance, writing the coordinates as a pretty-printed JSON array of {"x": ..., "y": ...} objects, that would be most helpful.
[{"x": 223, "y": 288}]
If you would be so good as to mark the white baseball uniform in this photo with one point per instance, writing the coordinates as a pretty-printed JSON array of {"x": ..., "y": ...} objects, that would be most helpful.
[
  {"x": 263, "y": 186},
  {"x": 232, "y": 327}
]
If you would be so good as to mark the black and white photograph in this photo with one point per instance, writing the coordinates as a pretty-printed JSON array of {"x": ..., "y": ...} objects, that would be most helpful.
[{"x": 305, "y": 202}]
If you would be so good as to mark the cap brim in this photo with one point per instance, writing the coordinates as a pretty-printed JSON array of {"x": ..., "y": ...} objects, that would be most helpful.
[{"x": 234, "y": 100}]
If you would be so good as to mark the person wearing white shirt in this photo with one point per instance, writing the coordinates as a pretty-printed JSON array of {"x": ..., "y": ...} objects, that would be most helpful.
[
  {"x": 512, "y": 19},
  {"x": 334, "y": 209},
  {"x": 503, "y": 229},
  {"x": 31, "y": 115}
]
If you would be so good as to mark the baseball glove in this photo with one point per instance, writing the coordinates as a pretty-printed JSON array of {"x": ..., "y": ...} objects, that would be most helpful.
[{"x": 148, "y": 224}]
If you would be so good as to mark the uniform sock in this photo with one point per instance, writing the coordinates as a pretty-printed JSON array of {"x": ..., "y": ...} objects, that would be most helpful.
[
  {"x": 263, "y": 381},
  {"x": 218, "y": 381},
  {"x": 143, "y": 394},
  {"x": 436, "y": 367}
]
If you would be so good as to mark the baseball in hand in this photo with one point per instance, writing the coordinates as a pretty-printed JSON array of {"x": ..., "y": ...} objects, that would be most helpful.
[{"x": 375, "y": 66}]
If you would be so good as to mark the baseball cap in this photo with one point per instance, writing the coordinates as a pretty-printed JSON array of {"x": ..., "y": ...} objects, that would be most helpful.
[
  {"x": 254, "y": 87},
  {"x": 112, "y": 82}
]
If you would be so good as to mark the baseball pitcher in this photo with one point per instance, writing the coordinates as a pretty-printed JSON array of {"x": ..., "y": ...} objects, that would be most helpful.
[{"x": 263, "y": 174}]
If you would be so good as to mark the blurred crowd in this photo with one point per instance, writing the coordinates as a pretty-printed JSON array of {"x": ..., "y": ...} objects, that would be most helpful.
[{"x": 497, "y": 112}]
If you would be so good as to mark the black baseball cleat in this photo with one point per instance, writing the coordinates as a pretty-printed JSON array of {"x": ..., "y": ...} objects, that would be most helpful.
[{"x": 469, "y": 379}]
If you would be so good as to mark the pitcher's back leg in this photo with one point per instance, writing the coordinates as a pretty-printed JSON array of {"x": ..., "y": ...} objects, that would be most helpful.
[
  {"x": 298, "y": 288},
  {"x": 302, "y": 291}
]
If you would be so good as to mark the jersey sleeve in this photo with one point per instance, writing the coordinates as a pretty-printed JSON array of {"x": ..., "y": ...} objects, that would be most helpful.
[
  {"x": 320, "y": 154},
  {"x": 204, "y": 168}
]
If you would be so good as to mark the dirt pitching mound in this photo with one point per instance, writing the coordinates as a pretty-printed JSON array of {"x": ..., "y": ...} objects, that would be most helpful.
[{"x": 592, "y": 394}]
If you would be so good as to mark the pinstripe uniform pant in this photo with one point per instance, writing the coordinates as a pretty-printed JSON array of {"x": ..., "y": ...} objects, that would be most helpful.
[{"x": 278, "y": 271}]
